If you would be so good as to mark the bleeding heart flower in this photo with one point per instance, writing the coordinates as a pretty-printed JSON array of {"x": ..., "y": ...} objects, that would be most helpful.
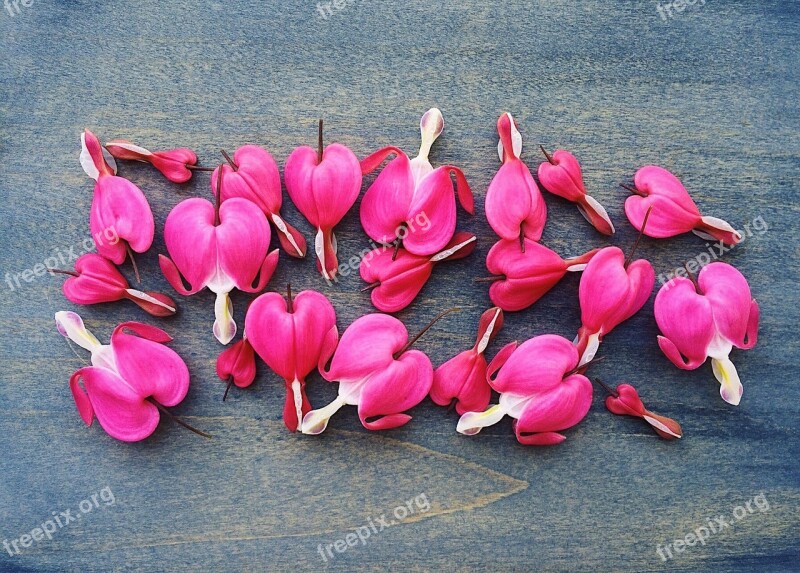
[
  {"x": 237, "y": 365},
  {"x": 674, "y": 211},
  {"x": 397, "y": 275},
  {"x": 561, "y": 175},
  {"x": 520, "y": 279},
  {"x": 376, "y": 371},
  {"x": 118, "y": 204},
  {"x": 539, "y": 387},
  {"x": 175, "y": 164},
  {"x": 222, "y": 247},
  {"x": 289, "y": 334},
  {"x": 625, "y": 401},
  {"x": 130, "y": 381},
  {"x": 611, "y": 291},
  {"x": 410, "y": 200},
  {"x": 462, "y": 379},
  {"x": 253, "y": 174},
  {"x": 97, "y": 280},
  {"x": 515, "y": 208},
  {"x": 323, "y": 185},
  {"x": 708, "y": 320}
]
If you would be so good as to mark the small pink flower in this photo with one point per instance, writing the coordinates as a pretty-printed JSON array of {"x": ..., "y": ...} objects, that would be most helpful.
[
  {"x": 221, "y": 247},
  {"x": 323, "y": 185},
  {"x": 514, "y": 205},
  {"x": 674, "y": 212},
  {"x": 708, "y": 321},
  {"x": 118, "y": 204},
  {"x": 97, "y": 280},
  {"x": 539, "y": 387},
  {"x": 410, "y": 200},
  {"x": 376, "y": 371},
  {"x": 611, "y": 291},
  {"x": 522, "y": 278},
  {"x": 130, "y": 380},
  {"x": 237, "y": 365},
  {"x": 463, "y": 378},
  {"x": 397, "y": 276},
  {"x": 561, "y": 175},
  {"x": 253, "y": 174},
  {"x": 173, "y": 164},
  {"x": 289, "y": 335},
  {"x": 625, "y": 401}
]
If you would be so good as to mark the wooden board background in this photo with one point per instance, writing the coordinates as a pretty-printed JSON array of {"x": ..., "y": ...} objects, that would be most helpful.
[{"x": 710, "y": 93}]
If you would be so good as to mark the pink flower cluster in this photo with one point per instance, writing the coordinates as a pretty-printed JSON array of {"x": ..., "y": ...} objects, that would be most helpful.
[{"x": 224, "y": 244}]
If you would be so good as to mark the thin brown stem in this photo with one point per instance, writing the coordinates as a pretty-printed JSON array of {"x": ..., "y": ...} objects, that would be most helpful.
[
  {"x": 227, "y": 388},
  {"x": 199, "y": 168},
  {"x": 177, "y": 420},
  {"x": 639, "y": 238},
  {"x": 396, "y": 249},
  {"x": 218, "y": 198},
  {"x": 582, "y": 368},
  {"x": 522, "y": 236},
  {"x": 289, "y": 300},
  {"x": 549, "y": 157},
  {"x": 607, "y": 388},
  {"x": 424, "y": 330},
  {"x": 319, "y": 142},
  {"x": 632, "y": 189},
  {"x": 371, "y": 286},
  {"x": 229, "y": 160},
  {"x": 691, "y": 277},
  {"x": 133, "y": 263},
  {"x": 490, "y": 279},
  {"x": 62, "y": 272}
]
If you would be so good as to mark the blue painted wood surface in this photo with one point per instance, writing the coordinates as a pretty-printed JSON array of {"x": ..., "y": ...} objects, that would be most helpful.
[{"x": 710, "y": 92}]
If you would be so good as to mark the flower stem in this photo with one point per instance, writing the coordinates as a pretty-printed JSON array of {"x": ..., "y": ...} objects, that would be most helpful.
[
  {"x": 607, "y": 388},
  {"x": 133, "y": 262},
  {"x": 639, "y": 238},
  {"x": 177, "y": 420},
  {"x": 549, "y": 157},
  {"x": 319, "y": 142},
  {"x": 229, "y": 160},
  {"x": 424, "y": 330}
]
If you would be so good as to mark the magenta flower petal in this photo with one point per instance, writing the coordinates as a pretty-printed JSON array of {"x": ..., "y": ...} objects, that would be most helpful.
[
  {"x": 385, "y": 205},
  {"x": 548, "y": 356},
  {"x": 559, "y": 409},
  {"x": 433, "y": 200}
]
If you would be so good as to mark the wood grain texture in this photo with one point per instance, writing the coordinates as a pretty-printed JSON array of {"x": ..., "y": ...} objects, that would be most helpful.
[{"x": 711, "y": 94}]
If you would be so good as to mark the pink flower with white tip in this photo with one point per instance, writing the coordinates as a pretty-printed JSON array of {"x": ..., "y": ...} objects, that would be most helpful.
[
  {"x": 540, "y": 387},
  {"x": 96, "y": 280},
  {"x": 462, "y": 379},
  {"x": 708, "y": 320},
  {"x": 408, "y": 191},
  {"x": 253, "y": 174},
  {"x": 117, "y": 204},
  {"x": 674, "y": 212},
  {"x": 611, "y": 291},
  {"x": 561, "y": 175},
  {"x": 376, "y": 371},
  {"x": 175, "y": 164},
  {"x": 515, "y": 208},
  {"x": 625, "y": 401},
  {"x": 222, "y": 247},
  {"x": 289, "y": 335},
  {"x": 519, "y": 279},
  {"x": 323, "y": 185},
  {"x": 130, "y": 381},
  {"x": 397, "y": 276}
]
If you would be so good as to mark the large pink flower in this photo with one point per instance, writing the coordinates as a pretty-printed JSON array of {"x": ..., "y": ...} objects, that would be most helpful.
[
  {"x": 539, "y": 387},
  {"x": 674, "y": 212},
  {"x": 610, "y": 293},
  {"x": 412, "y": 201},
  {"x": 514, "y": 205},
  {"x": 708, "y": 321},
  {"x": 253, "y": 175},
  {"x": 118, "y": 205},
  {"x": 323, "y": 184},
  {"x": 129, "y": 379},
  {"x": 222, "y": 248},
  {"x": 289, "y": 335},
  {"x": 376, "y": 372}
]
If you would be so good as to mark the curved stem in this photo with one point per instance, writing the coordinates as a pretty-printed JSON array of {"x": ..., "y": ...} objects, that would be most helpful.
[
  {"x": 423, "y": 331},
  {"x": 371, "y": 286},
  {"x": 227, "y": 388},
  {"x": 133, "y": 262},
  {"x": 176, "y": 419},
  {"x": 639, "y": 238}
]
